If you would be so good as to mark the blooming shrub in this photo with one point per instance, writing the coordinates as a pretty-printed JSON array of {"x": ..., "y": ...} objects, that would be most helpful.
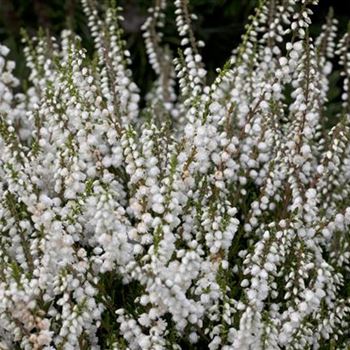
[{"x": 216, "y": 216}]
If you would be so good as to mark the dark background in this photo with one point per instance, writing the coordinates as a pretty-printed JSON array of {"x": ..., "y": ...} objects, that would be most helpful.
[{"x": 220, "y": 25}]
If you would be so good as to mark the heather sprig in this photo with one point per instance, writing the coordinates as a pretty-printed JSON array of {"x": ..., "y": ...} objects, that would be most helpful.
[{"x": 201, "y": 215}]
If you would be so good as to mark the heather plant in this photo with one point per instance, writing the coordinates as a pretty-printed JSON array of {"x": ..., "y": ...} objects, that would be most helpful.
[{"x": 201, "y": 215}]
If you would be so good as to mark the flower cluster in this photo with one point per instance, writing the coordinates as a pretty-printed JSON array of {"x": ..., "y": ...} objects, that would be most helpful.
[{"x": 216, "y": 216}]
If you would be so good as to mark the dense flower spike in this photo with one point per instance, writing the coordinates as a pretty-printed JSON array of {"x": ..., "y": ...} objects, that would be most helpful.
[{"x": 217, "y": 216}]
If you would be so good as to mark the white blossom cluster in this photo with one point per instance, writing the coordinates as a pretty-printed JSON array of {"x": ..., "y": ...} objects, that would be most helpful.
[{"x": 217, "y": 216}]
